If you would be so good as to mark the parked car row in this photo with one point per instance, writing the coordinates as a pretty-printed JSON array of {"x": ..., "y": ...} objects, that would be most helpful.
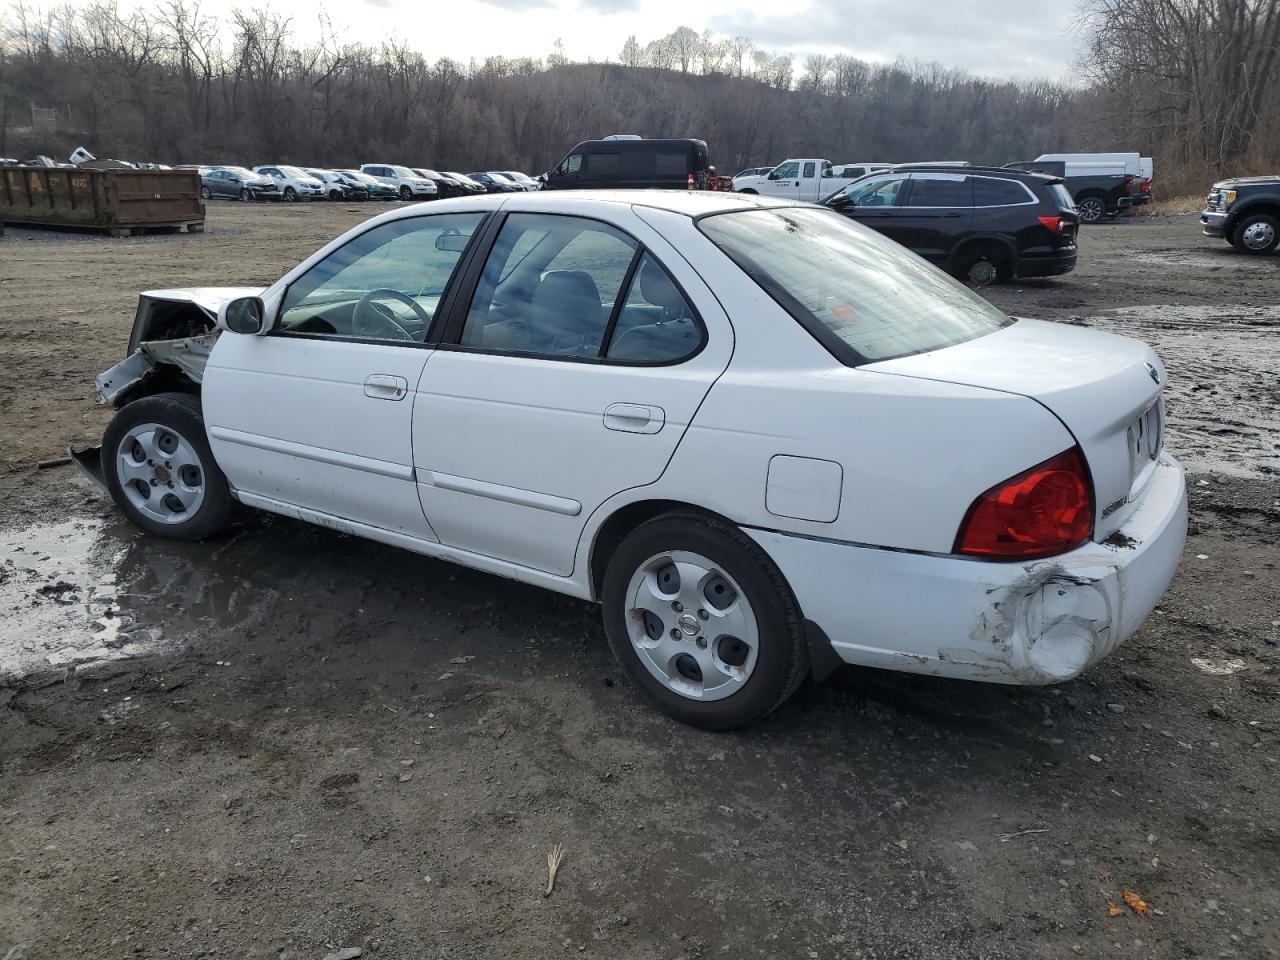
[{"x": 373, "y": 181}]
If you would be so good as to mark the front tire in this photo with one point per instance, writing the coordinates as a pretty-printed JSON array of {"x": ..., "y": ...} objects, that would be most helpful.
[
  {"x": 160, "y": 471},
  {"x": 703, "y": 622},
  {"x": 290, "y": 194},
  {"x": 1257, "y": 234},
  {"x": 750, "y": 191},
  {"x": 205, "y": 194},
  {"x": 406, "y": 194}
]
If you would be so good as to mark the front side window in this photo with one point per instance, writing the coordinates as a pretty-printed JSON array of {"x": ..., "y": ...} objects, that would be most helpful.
[
  {"x": 861, "y": 295},
  {"x": 383, "y": 285},
  {"x": 785, "y": 171},
  {"x": 571, "y": 164},
  {"x": 549, "y": 286},
  {"x": 877, "y": 192},
  {"x": 940, "y": 190}
]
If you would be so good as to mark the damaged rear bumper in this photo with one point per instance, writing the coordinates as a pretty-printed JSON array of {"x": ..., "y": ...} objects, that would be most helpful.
[{"x": 1020, "y": 623}]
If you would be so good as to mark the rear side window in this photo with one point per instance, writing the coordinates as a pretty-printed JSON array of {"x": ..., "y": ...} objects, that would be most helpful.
[
  {"x": 939, "y": 190},
  {"x": 670, "y": 163},
  {"x": 810, "y": 168},
  {"x": 995, "y": 192},
  {"x": 861, "y": 295}
]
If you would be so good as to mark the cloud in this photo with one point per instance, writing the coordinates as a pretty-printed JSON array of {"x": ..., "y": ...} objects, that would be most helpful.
[
  {"x": 519, "y": 5},
  {"x": 608, "y": 6},
  {"x": 991, "y": 37}
]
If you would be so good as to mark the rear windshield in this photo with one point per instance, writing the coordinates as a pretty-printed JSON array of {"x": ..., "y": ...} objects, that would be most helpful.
[{"x": 864, "y": 297}]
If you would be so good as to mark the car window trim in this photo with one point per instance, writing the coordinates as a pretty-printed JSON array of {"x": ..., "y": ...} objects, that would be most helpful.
[
  {"x": 450, "y": 284},
  {"x": 460, "y": 306}
]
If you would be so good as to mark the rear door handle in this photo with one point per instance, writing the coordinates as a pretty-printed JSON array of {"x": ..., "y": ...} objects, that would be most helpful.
[
  {"x": 381, "y": 386},
  {"x": 634, "y": 418}
]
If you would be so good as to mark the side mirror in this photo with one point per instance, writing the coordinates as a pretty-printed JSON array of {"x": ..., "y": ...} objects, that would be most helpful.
[
  {"x": 452, "y": 242},
  {"x": 773, "y": 175},
  {"x": 243, "y": 315},
  {"x": 839, "y": 202}
]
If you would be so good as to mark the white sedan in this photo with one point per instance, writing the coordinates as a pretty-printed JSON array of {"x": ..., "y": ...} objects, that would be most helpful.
[{"x": 767, "y": 440}]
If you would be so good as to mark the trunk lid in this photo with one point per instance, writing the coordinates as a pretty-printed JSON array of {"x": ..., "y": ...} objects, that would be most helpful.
[{"x": 1104, "y": 388}]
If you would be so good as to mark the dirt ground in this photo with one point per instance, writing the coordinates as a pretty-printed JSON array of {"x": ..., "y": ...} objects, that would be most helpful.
[{"x": 289, "y": 741}]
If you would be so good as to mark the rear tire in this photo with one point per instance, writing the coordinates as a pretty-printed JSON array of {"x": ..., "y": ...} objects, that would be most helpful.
[
  {"x": 160, "y": 471},
  {"x": 1258, "y": 234},
  {"x": 1091, "y": 209},
  {"x": 718, "y": 646}
]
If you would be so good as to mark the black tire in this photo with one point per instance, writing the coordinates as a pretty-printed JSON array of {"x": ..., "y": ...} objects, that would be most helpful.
[
  {"x": 750, "y": 191},
  {"x": 335, "y": 194},
  {"x": 245, "y": 195},
  {"x": 782, "y": 658},
  {"x": 290, "y": 194},
  {"x": 1256, "y": 234},
  {"x": 205, "y": 194},
  {"x": 406, "y": 194},
  {"x": 181, "y": 413},
  {"x": 1091, "y": 209}
]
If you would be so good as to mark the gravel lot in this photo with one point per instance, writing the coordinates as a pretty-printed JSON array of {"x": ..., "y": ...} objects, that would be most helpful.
[{"x": 289, "y": 741}]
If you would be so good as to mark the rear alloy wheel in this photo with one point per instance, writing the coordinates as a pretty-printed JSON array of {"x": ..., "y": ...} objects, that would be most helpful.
[
  {"x": 1091, "y": 209},
  {"x": 290, "y": 194},
  {"x": 205, "y": 194},
  {"x": 406, "y": 193},
  {"x": 1257, "y": 234},
  {"x": 703, "y": 622},
  {"x": 160, "y": 471},
  {"x": 981, "y": 272}
]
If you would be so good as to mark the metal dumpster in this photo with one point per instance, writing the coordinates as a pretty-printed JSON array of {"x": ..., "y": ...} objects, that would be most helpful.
[{"x": 119, "y": 201}]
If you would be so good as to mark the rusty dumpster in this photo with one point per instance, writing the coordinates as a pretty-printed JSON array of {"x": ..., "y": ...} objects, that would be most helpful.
[{"x": 121, "y": 202}]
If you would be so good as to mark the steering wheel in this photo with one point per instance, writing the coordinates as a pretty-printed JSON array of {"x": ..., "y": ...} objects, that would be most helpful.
[{"x": 373, "y": 319}]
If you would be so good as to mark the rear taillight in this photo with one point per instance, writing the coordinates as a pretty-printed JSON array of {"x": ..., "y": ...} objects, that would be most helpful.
[
  {"x": 693, "y": 184},
  {"x": 1052, "y": 224},
  {"x": 1128, "y": 181},
  {"x": 1045, "y": 511},
  {"x": 1145, "y": 186}
]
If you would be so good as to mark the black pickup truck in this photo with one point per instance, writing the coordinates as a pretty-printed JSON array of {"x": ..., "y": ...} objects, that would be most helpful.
[
  {"x": 1245, "y": 212},
  {"x": 1095, "y": 196}
]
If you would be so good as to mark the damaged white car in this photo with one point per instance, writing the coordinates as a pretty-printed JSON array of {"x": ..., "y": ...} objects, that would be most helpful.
[{"x": 766, "y": 439}]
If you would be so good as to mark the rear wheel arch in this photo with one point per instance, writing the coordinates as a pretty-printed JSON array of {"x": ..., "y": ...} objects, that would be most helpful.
[{"x": 610, "y": 534}]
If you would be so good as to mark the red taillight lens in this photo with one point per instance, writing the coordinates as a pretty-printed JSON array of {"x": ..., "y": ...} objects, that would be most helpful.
[
  {"x": 1128, "y": 181},
  {"x": 1039, "y": 513},
  {"x": 1052, "y": 224},
  {"x": 1145, "y": 186},
  {"x": 693, "y": 184}
]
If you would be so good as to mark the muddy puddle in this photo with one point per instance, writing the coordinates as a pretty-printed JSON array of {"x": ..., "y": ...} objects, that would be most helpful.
[
  {"x": 1223, "y": 392},
  {"x": 87, "y": 591}
]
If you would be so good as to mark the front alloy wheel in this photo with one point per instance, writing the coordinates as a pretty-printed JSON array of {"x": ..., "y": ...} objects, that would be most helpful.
[
  {"x": 205, "y": 194},
  {"x": 290, "y": 194},
  {"x": 702, "y": 621}
]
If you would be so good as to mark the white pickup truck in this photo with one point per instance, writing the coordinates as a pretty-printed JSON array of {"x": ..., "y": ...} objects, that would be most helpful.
[{"x": 804, "y": 179}]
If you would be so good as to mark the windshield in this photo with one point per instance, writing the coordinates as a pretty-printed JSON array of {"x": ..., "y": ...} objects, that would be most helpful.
[
  {"x": 461, "y": 178},
  {"x": 430, "y": 174},
  {"x": 405, "y": 173},
  {"x": 293, "y": 172},
  {"x": 864, "y": 297},
  {"x": 242, "y": 173}
]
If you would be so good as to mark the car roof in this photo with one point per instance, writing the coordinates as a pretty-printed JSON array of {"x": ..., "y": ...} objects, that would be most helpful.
[{"x": 1012, "y": 174}]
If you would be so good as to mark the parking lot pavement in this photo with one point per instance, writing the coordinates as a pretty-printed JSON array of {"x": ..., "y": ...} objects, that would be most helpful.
[{"x": 288, "y": 741}]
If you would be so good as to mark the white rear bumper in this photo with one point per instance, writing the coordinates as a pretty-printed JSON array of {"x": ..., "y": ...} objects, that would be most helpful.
[{"x": 1038, "y": 622}]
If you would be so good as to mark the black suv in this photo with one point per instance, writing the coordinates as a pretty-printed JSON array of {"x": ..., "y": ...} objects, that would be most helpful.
[
  {"x": 978, "y": 223},
  {"x": 1245, "y": 212}
]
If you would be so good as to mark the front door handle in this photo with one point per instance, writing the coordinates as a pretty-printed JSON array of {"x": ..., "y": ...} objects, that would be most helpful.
[
  {"x": 634, "y": 418},
  {"x": 381, "y": 386}
]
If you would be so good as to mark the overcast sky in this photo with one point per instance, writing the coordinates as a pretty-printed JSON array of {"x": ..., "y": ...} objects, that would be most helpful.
[{"x": 1030, "y": 38}]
